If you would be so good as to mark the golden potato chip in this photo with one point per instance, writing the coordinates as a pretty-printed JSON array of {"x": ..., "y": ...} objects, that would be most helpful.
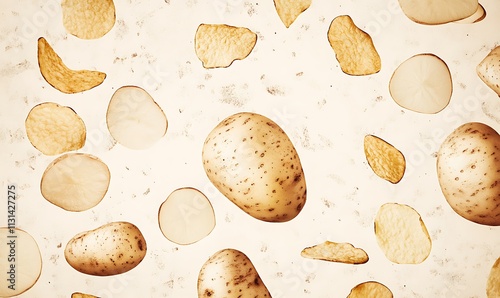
[
  {"x": 370, "y": 289},
  {"x": 218, "y": 45},
  {"x": 384, "y": 159},
  {"x": 336, "y": 252},
  {"x": 55, "y": 129},
  {"x": 81, "y": 295},
  {"x": 493, "y": 284},
  {"x": 354, "y": 48},
  {"x": 289, "y": 10},
  {"x": 59, "y": 76},
  {"x": 401, "y": 234},
  {"x": 88, "y": 19}
]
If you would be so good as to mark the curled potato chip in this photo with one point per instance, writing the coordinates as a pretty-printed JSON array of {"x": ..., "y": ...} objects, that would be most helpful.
[
  {"x": 401, "y": 234},
  {"x": 88, "y": 19},
  {"x": 336, "y": 252},
  {"x": 26, "y": 259},
  {"x": 55, "y": 129},
  {"x": 385, "y": 160},
  {"x": 218, "y": 45},
  {"x": 59, "y": 76},
  {"x": 134, "y": 119},
  {"x": 353, "y": 47},
  {"x": 186, "y": 216},
  {"x": 370, "y": 289},
  {"x": 493, "y": 283},
  {"x": 75, "y": 181},
  {"x": 289, "y": 10}
]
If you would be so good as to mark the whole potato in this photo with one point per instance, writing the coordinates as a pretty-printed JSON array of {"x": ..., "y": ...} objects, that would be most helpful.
[
  {"x": 111, "y": 249},
  {"x": 468, "y": 166},
  {"x": 230, "y": 273},
  {"x": 251, "y": 160}
]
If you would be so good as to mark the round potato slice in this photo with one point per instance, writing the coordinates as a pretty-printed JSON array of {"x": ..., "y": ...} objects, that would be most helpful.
[
  {"x": 21, "y": 262},
  {"x": 434, "y": 12},
  {"x": 186, "y": 216},
  {"x": 134, "y": 119},
  {"x": 75, "y": 181},
  {"x": 422, "y": 84},
  {"x": 401, "y": 234},
  {"x": 493, "y": 283},
  {"x": 55, "y": 129},
  {"x": 370, "y": 289},
  {"x": 88, "y": 19}
]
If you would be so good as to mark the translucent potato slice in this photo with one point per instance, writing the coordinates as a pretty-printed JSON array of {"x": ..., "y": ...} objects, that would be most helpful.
[
  {"x": 289, "y": 10},
  {"x": 75, "y": 181},
  {"x": 478, "y": 16},
  {"x": 22, "y": 252},
  {"x": 218, "y": 45},
  {"x": 370, "y": 289},
  {"x": 134, "y": 119},
  {"x": 493, "y": 283},
  {"x": 434, "y": 12},
  {"x": 55, "y": 129},
  {"x": 59, "y": 76},
  {"x": 386, "y": 161},
  {"x": 186, "y": 216},
  {"x": 401, "y": 234},
  {"x": 422, "y": 84},
  {"x": 336, "y": 252},
  {"x": 88, "y": 19}
]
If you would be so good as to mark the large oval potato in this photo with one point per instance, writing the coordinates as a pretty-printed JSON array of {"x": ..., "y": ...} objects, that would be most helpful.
[
  {"x": 230, "y": 273},
  {"x": 251, "y": 160},
  {"x": 113, "y": 248},
  {"x": 468, "y": 166}
]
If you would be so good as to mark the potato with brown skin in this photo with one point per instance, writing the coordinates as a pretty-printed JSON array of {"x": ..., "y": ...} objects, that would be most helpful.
[
  {"x": 230, "y": 273},
  {"x": 111, "y": 249},
  {"x": 251, "y": 160},
  {"x": 468, "y": 167}
]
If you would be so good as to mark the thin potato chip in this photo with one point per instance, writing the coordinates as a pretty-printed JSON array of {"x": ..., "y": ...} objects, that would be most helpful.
[
  {"x": 289, "y": 10},
  {"x": 401, "y": 234},
  {"x": 353, "y": 47},
  {"x": 88, "y": 19},
  {"x": 55, "y": 129},
  {"x": 218, "y": 45},
  {"x": 384, "y": 159},
  {"x": 493, "y": 284},
  {"x": 370, "y": 289},
  {"x": 59, "y": 76},
  {"x": 81, "y": 295},
  {"x": 336, "y": 252}
]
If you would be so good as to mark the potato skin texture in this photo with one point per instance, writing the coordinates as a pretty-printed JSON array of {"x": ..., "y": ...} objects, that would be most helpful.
[
  {"x": 230, "y": 273},
  {"x": 251, "y": 160},
  {"x": 468, "y": 166},
  {"x": 111, "y": 249}
]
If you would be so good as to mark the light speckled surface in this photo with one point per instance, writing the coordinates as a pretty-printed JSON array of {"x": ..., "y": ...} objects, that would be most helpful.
[{"x": 292, "y": 77}]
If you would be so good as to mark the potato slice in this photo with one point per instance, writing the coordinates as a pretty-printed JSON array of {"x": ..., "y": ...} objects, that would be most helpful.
[
  {"x": 55, "y": 129},
  {"x": 218, "y": 45},
  {"x": 23, "y": 253},
  {"x": 186, "y": 216},
  {"x": 488, "y": 70},
  {"x": 88, "y": 19},
  {"x": 401, "y": 234},
  {"x": 336, "y": 252},
  {"x": 82, "y": 295},
  {"x": 75, "y": 181},
  {"x": 370, "y": 289},
  {"x": 59, "y": 76},
  {"x": 134, "y": 119},
  {"x": 386, "y": 161},
  {"x": 354, "y": 48},
  {"x": 289, "y": 10},
  {"x": 422, "y": 84},
  {"x": 434, "y": 12},
  {"x": 478, "y": 16},
  {"x": 493, "y": 283}
]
